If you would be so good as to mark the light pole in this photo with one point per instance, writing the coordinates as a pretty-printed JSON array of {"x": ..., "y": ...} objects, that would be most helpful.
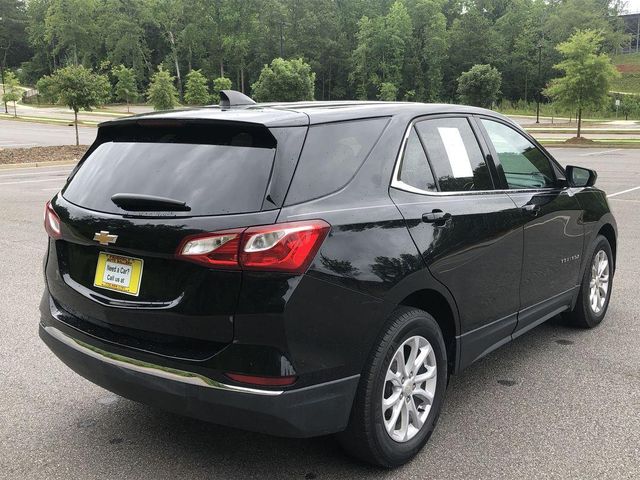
[
  {"x": 539, "y": 89},
  {"x": 2, "y": 75}
]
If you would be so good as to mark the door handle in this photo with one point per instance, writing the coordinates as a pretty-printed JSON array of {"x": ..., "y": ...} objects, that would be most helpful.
[
  {"x": 531, "y": 208},
  {"x": 436, "y": 216}
]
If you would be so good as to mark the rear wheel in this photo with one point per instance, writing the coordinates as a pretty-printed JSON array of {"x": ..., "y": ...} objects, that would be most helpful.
[
  {"x": 400, "y": 393},
  {"x": 595, "y": 290}
]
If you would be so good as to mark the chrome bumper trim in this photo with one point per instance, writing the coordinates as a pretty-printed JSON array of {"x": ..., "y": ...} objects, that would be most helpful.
[{"x": 151, "y": 369}]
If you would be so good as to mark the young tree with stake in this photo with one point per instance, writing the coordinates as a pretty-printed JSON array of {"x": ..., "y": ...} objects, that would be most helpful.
[
  {"x": 587, "y": 74},
  {"x": 78, "y": 88},
  {"x": 196, "y": 91},
  {"x": 162, "y": 93},
  {"x": 126, "y": 85},
  {"x": 12, "y": 92}
]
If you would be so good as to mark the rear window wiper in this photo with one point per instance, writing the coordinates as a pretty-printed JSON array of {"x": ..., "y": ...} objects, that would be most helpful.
[{"x": 137, "y": 202}]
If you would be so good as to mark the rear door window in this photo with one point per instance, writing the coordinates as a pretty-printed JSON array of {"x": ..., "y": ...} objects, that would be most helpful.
[
  {"x": 213, "y": 179},
  {"x": 414, "y": 169},
  {"x": 331, "y": 156},
  {"x": 455, "y": 156}
]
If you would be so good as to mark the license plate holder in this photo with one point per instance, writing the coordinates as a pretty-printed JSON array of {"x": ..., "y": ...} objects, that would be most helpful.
[{"x": 119, "y": 273}]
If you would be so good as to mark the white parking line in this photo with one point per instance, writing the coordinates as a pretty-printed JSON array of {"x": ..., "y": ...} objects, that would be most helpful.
[
  {"x": 11, "y": 144},
  {"x": 599, "y": 153},
  {"x": 32, "y": 181},
  {"x": 31, "y": 174},
  {"x": 44, "y": 168},
  {"x": 623, "y": 191}
]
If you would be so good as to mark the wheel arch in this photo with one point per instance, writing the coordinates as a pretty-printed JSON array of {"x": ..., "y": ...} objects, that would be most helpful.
[
  {"x": 436, "y": 305},
  {"x": 608, "y": 231}
]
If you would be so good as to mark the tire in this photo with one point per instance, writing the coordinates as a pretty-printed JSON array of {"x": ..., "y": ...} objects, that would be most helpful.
[
  {"x": 366, "y": 436},
  {"x": 584, "y": 315}
]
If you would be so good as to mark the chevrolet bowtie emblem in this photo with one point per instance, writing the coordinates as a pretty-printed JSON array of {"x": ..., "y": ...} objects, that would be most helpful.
[{"x": 104, "y": 238}]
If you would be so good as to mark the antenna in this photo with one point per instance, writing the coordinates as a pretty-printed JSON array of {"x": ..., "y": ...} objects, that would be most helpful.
[{"x": 233, "y": 98}]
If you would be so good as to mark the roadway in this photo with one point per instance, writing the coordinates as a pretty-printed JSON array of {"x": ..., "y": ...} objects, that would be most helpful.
[
  {"x": 16, "y": 134},
  {"x": 555, "y": 403}
]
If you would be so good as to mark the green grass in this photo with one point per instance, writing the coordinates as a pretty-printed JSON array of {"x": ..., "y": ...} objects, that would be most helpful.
[
  {"x": 627, "y": 58},
  {"x": 53, "y": 121},
  {"x": 628, "y": 82}
]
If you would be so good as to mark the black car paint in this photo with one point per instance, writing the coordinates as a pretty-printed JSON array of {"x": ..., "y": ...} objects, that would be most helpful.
[{"x": 321, "y": 326}]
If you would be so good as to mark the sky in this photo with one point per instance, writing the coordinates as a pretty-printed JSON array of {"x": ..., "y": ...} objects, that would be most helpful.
[{"x": 633, "y": 5}]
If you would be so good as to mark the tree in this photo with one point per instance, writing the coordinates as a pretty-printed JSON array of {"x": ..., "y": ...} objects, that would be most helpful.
[
  {"x": 169, "y": 17},
  {"x": 71, "y": 30},
  {"x": 76, "y": 87},
  {"x": 12, "y": 92},
  {"x": 196, "y": 90},
  {"x": 13, "y": 38},
  {"x": 162, "y": 92},
  {"x": 630, "y": 105},
  {"x": 285, "y": 81},
  {"x": 388, "y": 92},
  {"x": 587, "y": 74},
  {"x": 480, "y": 85},
  {"x": 472, "y": 40},
  {"x": 126, "y": 85},
  {"x": 426, "y": 51},
  {"x": 220, "y": 83},
  {"x": 381, "y": 49}
]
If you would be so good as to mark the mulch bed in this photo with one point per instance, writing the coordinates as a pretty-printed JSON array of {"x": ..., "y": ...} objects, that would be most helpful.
[
  {"x": 579, "y": 141},
  {"x": 66, "y": 153}
]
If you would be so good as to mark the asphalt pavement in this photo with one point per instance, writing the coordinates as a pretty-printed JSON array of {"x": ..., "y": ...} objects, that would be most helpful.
[
  {"x": 14, "y": 133},
  {"x": 27, "y": 134},
  {"x": 555, "y": 403}
]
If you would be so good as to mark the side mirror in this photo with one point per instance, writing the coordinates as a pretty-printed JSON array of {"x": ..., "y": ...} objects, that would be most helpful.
[{"x": 581, "y": 177}]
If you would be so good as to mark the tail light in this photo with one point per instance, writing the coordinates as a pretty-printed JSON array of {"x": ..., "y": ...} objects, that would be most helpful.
[
  {"x": 214, "y": 249},
  {"x": 51, "y": 222},
  {"x": 285, "y": 247}
]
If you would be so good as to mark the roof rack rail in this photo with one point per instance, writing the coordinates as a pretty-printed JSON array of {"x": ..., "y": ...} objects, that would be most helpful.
[{"x": 233, "y": 98}]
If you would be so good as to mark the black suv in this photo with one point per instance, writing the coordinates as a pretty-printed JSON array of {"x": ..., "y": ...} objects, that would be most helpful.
[{"x": 312, "y": 268}]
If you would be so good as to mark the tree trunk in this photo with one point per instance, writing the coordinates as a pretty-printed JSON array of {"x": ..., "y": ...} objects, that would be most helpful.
[
  {"x": 75, "y": 121},
  {"x": 4, "y": 60},
  {"x": 579, "y": 120},
  {"x": 242, "y": 78},
  {"x": 128, "y": 111},
  {"x": 175, "y": 61},
  {"x": 15, "y": 112},
  {"x": 221, "y": 68}
]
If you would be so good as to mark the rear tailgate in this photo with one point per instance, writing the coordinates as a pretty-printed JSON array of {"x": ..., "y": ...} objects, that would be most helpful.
[{"x": 222, "y": 172}]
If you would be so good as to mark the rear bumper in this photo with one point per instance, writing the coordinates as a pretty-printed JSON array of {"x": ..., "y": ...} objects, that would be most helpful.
[{"x": 306, "y": 412}]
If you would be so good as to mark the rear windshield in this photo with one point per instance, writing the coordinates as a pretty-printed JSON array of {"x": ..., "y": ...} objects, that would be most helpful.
[{"x": 210, "y": 179}]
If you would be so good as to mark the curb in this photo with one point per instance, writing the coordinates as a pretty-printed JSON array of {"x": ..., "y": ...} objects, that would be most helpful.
[
  {"x": 62, "y": 163},
  {"x": 50, "y": 121},
  {"x": 629, "y": 146}
]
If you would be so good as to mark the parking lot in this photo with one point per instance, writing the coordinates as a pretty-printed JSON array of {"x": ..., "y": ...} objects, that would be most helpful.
[{"x": 555, "y": 403}]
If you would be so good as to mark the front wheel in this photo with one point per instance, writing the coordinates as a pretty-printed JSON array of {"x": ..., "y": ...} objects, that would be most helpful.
[
  {"x": 400, "y": 393},
  {"x": 595, "y": 290}
]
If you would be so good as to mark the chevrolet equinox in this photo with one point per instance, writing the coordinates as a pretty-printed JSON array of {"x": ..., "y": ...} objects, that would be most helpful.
[{"x": 303, "y": 269}]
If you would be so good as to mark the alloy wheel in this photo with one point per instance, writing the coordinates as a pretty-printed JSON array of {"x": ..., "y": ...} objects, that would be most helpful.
[
  {"x": 409, "y": 388},
  {"x": 599, "y": 283}
]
